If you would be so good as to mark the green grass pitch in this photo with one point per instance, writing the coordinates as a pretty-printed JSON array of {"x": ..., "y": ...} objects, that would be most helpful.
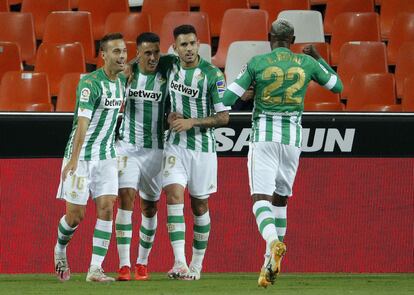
[{"x": 217, "y": 283}]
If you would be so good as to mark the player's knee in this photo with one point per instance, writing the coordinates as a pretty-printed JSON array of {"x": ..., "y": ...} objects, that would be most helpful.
[
  {"x": 105, "y": 208},
  {"x": 149, "y": 209},
  {"x": 199, "y": 206},
  {"x": 74, "y": 218},
  {"x": 279, "y": 201}
]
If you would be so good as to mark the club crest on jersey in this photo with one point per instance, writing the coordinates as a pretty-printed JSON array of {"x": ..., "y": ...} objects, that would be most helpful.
[
  {"x": 200, "y": 76},
  {"x": 85, "y": 93},
  {"x": 145, "y": 95},
  {"x": 183, "y": 89}
]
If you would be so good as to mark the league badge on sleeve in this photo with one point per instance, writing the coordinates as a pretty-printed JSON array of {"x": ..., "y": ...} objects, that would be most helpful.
[
  {"x": 85, "y": 93},
  {"x": 221, "y": 87}
]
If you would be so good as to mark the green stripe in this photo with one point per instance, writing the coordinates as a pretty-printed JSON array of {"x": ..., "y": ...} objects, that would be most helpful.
[
  {"x": 269, "y": 128},
  {"x": 94, "y": 136},
  {"x": 99, "y": 251},
  {"x": 123, "y": 241},
  {"x": 204, "y": 140},
  {"x": 256, "y": 129},
  {"x": 147, "y": 124},
  {"x": 146, "y": 245},
  {"x": 280, "y": 222},
  {"x": 175, "y": 219},
  {"x": 109, "y": 134},
  {"x": 202, "y": 228},
  {"x": 176, "y": 138},
  {"x": 65, "y": 231},
  {"x": 123, "y": 226},
  {"x": 177, "y": 235},
  {"x": 132, "y": 123},
  {"x": 63, "y": 242},
  {"x": 160, "y": 121},
  {"x": 102, "y": 234},
  {"x": 200, "y": 245},
  {"x": 285, "y": 129},
  {"x": 281, "y": 238},
  {"x": 187, "y": 110},
  {"x": 147, "y": 232},
  {"x": 265, "y": 223},
  {"x": 261, "y": 210},
  {"x": 298, "y": 133}
]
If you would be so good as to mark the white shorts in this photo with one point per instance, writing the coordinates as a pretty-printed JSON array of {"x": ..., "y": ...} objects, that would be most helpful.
[
  {"x": 197, "y": 169},
  {"x": 272, "y": 168},
  {"x": 140, "y": 168},
  {"x": 95, "y": 178}
]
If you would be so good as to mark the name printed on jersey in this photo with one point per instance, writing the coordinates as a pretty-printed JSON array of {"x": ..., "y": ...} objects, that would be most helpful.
[
  {"x": 145, "y": 95},
  {"x": 183, "y": 89}
]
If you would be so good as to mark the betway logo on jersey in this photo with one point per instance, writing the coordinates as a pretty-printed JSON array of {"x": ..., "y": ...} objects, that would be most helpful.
[
  {"x": 183, "y": 89},
  {"x": 112, "y": 103},
  {"x": 323, "y": 139},
  {"x": 145, "y": 95}
]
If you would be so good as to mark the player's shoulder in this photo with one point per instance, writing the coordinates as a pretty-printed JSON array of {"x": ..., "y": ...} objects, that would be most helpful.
[
  {"x": 91, "y": 79},
  {"x": 209, "y": 69}
]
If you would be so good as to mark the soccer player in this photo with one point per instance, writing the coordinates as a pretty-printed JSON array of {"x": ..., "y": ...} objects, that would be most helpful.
[
  {"x": 140, "y": 154},
  {"x": 90, "y": 164},
  {"x": 196, "y": 89},
  {"x": 280, "y": 79}
]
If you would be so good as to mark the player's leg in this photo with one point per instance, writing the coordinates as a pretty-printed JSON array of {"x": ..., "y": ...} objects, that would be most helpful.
[
  {"x": 128, "y": 177},
  {"x": 123, "y": 227},
  {"x": 75, "y": 191},
  {"x": 104, "y": 190},
  {"x": 147, "y": 232},
  {"x": 150, "y": 185},
  {"x": 279, "y": 209},
  {"x": 202, "y": 183},
  {"x": 262, "y": 167},
  {"x": 174, "y": 183}
]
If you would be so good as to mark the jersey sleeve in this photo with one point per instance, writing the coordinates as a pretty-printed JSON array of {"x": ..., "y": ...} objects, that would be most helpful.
[
  {"x": 86, "y": 94},
  {"x": 325, "y": 76},
  {"x": 217, "y": 87},
  {"x": 240, "y": 85}
]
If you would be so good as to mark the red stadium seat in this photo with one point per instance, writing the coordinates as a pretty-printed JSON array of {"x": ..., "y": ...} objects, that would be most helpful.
[
  {"x": 216, "y": 10},
  {"x": 381, "y": 108},
  {"x": 132, "y": 52},
  {"x": 323, "y": 107},
  {"x": 402, "y": 31},
  {"x": 57, "y": 60},
  {"x": 28, "y": 107},
  {"x": 322, "y": 48},
  {"x": 19, "y": 88},
  {"x": 389, "y": 11},
  {"x": 404, "y": 66},
  {"x": 70, "y": 27},
  {"x": 408, "y": 98},
  {"x": 66, "y": 99},
  {"x": 335, "y": 7},
  {"x": 14, "y": 2},
  {"x": 99, "y": 10},
  {"x": 10, "y": 59},
  {"x": 129, "y": 24},
  {"x": 157, "y": 9},
  {"x": 172, "y": 20},
  {"x": 19, "y": 28},
  {"x": 235, "y": 28},
  {"x": 360, "y": 57},
  {"x": 274, "y": 7},
  {"x": 4, "y": 6},
  {"x": 40, "y": 9},
  {"x": 353, "y": 26},
  {"x": 371, "y": 89},
  {"x": 317, "y": 93}
]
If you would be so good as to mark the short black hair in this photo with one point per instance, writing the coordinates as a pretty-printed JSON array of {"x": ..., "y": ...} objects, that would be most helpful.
[
  {"x": 184, "y": 30},
  {"x": 109, "y": 37},
  {"x": 147, "y": 37}
]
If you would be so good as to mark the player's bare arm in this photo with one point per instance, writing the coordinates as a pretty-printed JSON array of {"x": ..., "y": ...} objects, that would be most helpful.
[
  {"x": 219, "y": 119},
  {"x": 311, "y": 50},
  {"x": 80, "y": 134}
]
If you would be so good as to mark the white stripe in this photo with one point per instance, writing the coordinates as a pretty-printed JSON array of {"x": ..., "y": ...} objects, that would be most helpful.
[
  {"x": 236, "y": 89},
  {"x": 331, "y": 83},
  {"x": 155, "y": 109},
  {"x": 101, "y": 242},
  {"x": 277, "y": 129},
  {"x": 146, "y": 238},
  {"x": 220, "y": 107},
  {"x": 84, "y": 113},
  {"x": 139, "y": 112},
  {"x": 292, "y": 130},
  {"x": 113, "y": 87},
  {"x": 262, "y": 128},
  {"x": 281, "y": 231},
  {"x": 124, "y": 233},
  {"x": 193, "y": 108}
]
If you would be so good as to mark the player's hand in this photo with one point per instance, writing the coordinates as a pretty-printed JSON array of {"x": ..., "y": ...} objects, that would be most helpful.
[
  {"x": 70, "y": 168},
  {"x": 248, "y": 95},
  {"x": 179, "y": 125},
  {"x": 311, "y": 50},
  {"x": 173, "y": 116},
  {"x": 128, "y": 73}
]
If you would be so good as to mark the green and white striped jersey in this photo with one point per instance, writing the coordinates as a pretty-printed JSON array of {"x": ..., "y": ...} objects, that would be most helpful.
[
  {"x": 281, "y": 79},
  {"x": 99, "y": 99},
  {"x": 143, "y": 123},
  {"x": 196, "y": 93}
]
